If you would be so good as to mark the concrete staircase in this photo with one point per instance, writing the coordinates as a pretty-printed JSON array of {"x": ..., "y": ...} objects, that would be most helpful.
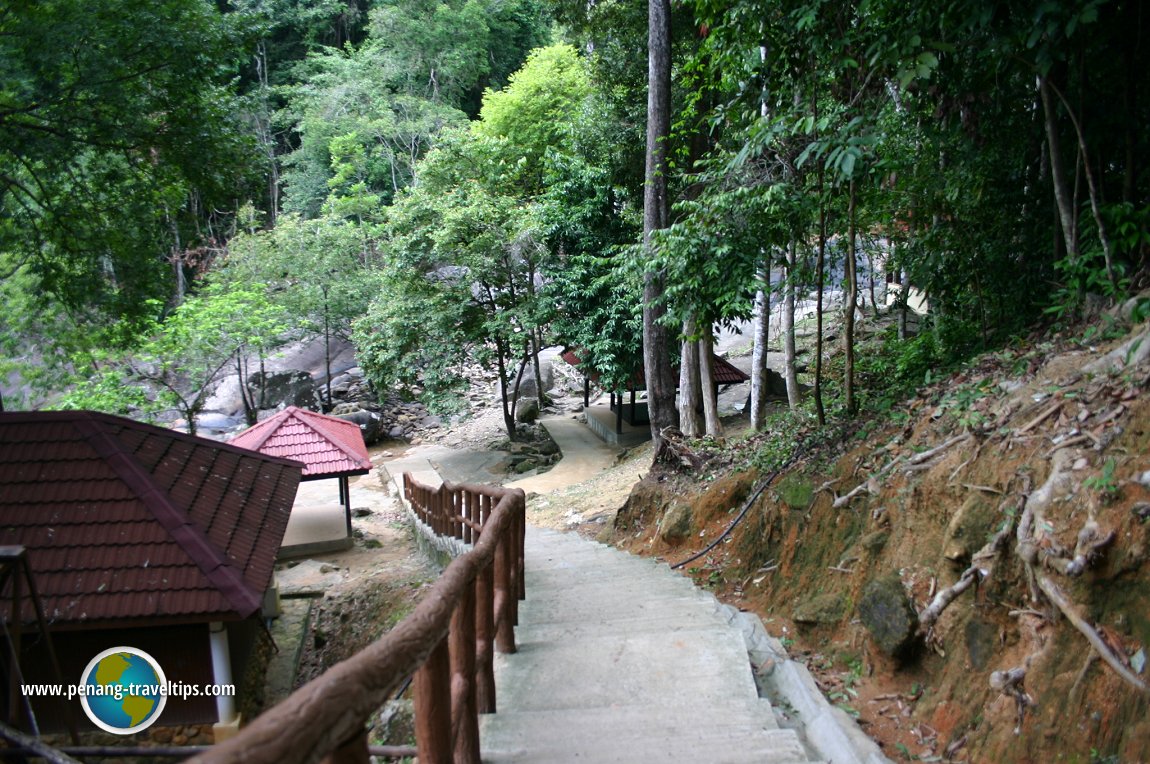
[{"x": 621, "y": 660}]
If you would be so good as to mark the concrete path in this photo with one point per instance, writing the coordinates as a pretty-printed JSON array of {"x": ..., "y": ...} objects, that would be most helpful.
[
  {"x": 621, "y": 660},
  {"x": 584, "y": 456},
  {"x": 432, "y": 464}
]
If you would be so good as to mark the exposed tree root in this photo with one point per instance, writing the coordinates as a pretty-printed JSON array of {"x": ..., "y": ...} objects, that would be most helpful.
[
  {"x": 1010, "y": 683},
  {"x": 931, "y": 612},
  {"x": 1055, "y": 595},
  {"x": 1130, "y": 353},
  {"x": 1090, "y": 541},
  {"x": 872, "y": 485},
  {"x": 674, "y": 452}
]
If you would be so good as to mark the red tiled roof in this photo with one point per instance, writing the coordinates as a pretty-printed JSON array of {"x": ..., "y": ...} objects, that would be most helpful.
[
  {"x": 725, "y": 372},
  {"x": 124, "y": 520},
  {"x": 328, "y": 446}
]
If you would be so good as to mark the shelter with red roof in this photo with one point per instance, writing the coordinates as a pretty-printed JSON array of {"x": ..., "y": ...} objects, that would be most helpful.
[
  {"x": 724, "y": 372},
  {"x": 327, "y": 446},
  {"x": 141, "y": 536}
]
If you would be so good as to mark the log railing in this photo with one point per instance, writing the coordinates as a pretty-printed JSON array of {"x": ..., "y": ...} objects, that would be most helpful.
[{"x": 447, "y": 643}]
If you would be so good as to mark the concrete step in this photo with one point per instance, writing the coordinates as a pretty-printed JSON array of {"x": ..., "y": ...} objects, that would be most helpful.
[
  {"x": 622, "y": 660},
  {"x": 535, "y": 611},
  {"x": 644, "y": 667},
  {"x": 606, "y": 626},
  {"x": 635, "y": 734}
]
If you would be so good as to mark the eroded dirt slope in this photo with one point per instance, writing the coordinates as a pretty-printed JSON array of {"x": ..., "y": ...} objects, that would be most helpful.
[{"x": 1026, "y": 481}]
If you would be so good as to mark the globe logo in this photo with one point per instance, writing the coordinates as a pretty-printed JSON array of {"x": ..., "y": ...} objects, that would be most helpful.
[{"x": 123, "y": 690}]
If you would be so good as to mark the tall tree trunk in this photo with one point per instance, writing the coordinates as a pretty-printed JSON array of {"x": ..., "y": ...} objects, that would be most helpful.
[
  {"x": 762, "y": 321},
  {"x": 706, "y": 347},
  {"x": 789, "y": 373},
  {"x": 536, "y": 346},
  {"x": 536, "y": 341},
  {"x": 870, "y": 271},
  {"x": 656, "y": 360},
  {"x": 690, "y": 394},
  {"x": 904, "y": 284},
  {"x": 1057, "y": 172},
  {"x": 1092, "y": 190},
  {"x": 247, "y": 398},
  {"x": 850, "y": 297},
  {"x": 820, "y": 280}
]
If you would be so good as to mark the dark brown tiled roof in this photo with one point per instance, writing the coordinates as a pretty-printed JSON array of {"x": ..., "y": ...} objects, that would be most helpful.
[
  {"x": 725, "y": 372},
  {"x": 127, "y": 521},
  {"x": 328, "y": 446}
]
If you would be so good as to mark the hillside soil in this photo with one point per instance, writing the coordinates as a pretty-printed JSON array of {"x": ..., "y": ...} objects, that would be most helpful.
[{"x": 1025, "y": 480}]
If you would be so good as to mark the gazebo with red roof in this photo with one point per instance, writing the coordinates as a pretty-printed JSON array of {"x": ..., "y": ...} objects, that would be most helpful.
[
  {"x": 143, "y": 536},
  {"x": 725, "y": 374},
  {"x": 328, "y": 446}
]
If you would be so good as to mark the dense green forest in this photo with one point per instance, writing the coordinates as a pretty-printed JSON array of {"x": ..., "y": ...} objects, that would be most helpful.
[{"x": 185, "y": 185}]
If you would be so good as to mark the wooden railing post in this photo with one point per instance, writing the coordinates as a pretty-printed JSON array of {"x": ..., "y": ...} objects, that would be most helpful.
[
  {"x": 432, "y": 685},
  {"x": 485, "y": 639},
  {"x": 505, "y": 598},
  {"x": 468, "y": 514},
  {"x": 521, "y": 547},
  {"x": 464, "y": 713},
  {"x": 457, "y": 512}
]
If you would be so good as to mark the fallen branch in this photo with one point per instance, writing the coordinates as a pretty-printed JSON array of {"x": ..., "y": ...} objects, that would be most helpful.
[
  {"x": 1040, "y": 418},
  {"x": 931, "y": 612},
  {"x": 1074, "y": 441},
  {"x": 931, "y": 453},
  {"x": 1055, "y": 595}
]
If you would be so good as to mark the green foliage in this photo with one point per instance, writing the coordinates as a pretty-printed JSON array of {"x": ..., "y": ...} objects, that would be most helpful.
[
  {"x": 364, "y": 115},
  {"x": 534, "y": 112},
  {"x": 318, "y": 271},
  {"x": 1105, "y": 483},
  {"x": 117, "y": 130},
  {"x": 179, "y": 360}
]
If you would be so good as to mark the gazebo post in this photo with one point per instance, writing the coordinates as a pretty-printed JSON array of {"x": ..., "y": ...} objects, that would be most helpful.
[
  {"x": 632, "y": 407},
  {"x": 619, "y": 416},
  {"x": 586, "y": 392},
  {"x": 345, "y": 500}
]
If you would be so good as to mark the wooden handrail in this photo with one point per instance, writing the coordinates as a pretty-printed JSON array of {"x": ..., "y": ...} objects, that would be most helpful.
[{"x": 446, "y": 642}]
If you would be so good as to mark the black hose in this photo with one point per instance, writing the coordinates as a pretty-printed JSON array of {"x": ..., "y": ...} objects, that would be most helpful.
[
  {"x": 738, "y": 519},
  {"x": 798, "y": 453}
]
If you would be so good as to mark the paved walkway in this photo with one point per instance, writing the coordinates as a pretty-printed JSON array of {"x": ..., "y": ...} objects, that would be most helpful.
[
  {"x": 621, "y": 660},
  {"x": 584, "y": 456}
]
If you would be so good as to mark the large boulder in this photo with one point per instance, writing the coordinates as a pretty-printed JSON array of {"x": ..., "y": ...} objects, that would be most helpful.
[
  {"x": 888, "y": 615},
  {"x": 527, "y": 389},
  {"x": 527, "y": 411},
  {"x": 675, "y": 526},
  {"x": 283, "y": 388},
  {"x": 369, "y": 422}
]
